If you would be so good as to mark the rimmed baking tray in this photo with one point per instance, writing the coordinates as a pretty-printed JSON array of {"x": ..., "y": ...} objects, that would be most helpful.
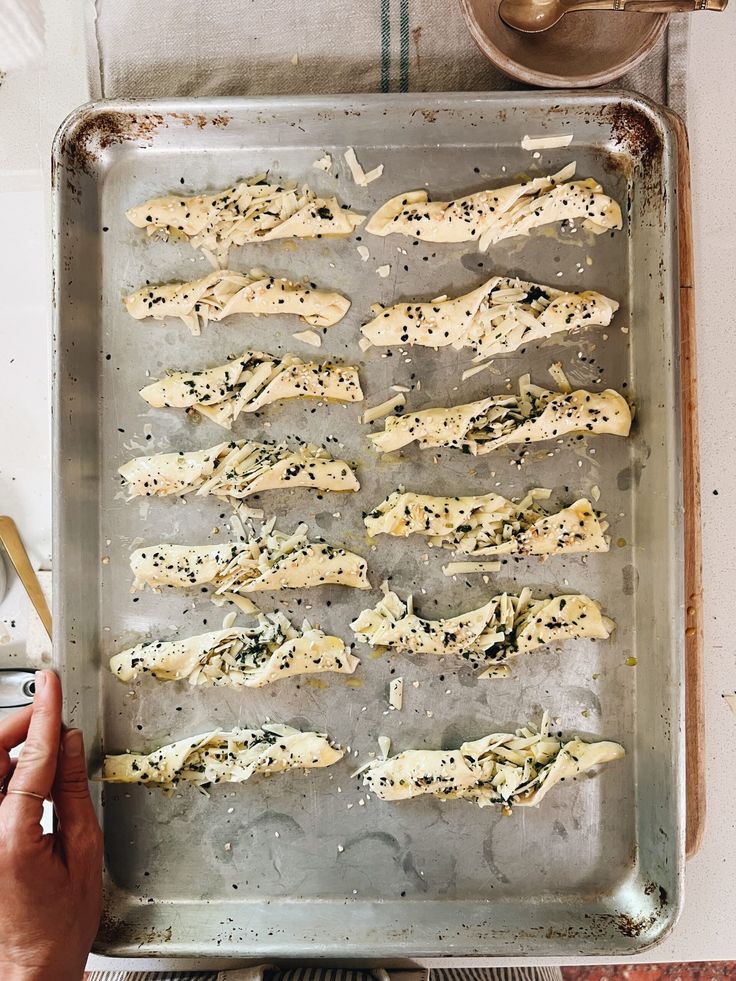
[{"x": 256, "y": 870}]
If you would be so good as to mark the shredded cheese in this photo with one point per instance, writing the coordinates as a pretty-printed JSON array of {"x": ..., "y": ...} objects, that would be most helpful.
[
  {"x": 245, "y": 512},
  {"x": 469, "y": 372},
  {"x": 308, "y": 337},
  {"x": 396, "y": 694},
  {"x": 545, "y": 142},
  {"x": 244, "y": 604},
  {"x": 324, "y": 163},
  {"x": 559, "y": 377},
  {"x": 361, "y": 178},
  {"x": 379, "y": 411},
  {"x": 460, "y": 568}
]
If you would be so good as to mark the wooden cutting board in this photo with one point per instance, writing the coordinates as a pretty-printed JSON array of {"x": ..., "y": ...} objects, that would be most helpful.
[{"x": 694, "y": 706}]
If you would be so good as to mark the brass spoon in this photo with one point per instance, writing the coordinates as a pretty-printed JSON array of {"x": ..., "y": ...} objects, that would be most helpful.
[{"x": 533, "y": 16}]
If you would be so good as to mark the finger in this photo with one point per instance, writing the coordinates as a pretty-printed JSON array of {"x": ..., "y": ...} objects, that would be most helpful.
[
  {"x": 14, "y": 729},
  {"x": 5, "y": 778},
  {"x": 77, "y": 821},
  {"x": 36, "y": 766}
]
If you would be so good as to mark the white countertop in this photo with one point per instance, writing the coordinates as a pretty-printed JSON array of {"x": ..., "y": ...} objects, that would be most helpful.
[{"x": 27, "y": 121}]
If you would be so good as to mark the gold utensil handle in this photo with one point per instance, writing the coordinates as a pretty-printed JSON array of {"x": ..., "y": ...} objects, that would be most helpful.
[
  {"x": 672, "y": 6},
  {"x": 22, "y": 564}
]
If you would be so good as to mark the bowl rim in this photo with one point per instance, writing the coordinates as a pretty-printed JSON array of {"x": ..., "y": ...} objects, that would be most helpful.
[{"x": 530, "y": 76}]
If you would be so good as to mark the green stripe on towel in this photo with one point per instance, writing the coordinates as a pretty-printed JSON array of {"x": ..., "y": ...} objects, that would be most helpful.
[
  {"x": 385, "y": 44},
  {"x": 404, "y": 46}
]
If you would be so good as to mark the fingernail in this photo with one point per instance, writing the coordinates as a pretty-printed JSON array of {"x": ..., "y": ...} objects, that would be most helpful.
[
  {"x": 39, "y": 680},
  {"x": 73, "y": 743}
]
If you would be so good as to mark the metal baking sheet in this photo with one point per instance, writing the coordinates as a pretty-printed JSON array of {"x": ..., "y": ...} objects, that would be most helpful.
[{"x": 255, "y": 870}]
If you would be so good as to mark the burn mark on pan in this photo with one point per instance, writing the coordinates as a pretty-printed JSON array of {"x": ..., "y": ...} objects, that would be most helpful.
[
  {"x": 116, "y": 930},
  {"x": 635, "y": 132},
  {"x": 637, "y": 153},
  {"x": 200, "y": 120},
  {"x": 429, "y": 115},
  {"x": 100, "y": 130},
  {"x": 633, "y": 926},
  {"x": 111, "y": 928}
]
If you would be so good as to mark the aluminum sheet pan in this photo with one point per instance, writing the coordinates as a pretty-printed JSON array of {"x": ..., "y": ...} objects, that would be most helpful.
[{"x": 255, "y": 870}]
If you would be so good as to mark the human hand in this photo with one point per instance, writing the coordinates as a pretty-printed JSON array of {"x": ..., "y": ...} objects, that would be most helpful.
[{"x": 51, "y": 883}]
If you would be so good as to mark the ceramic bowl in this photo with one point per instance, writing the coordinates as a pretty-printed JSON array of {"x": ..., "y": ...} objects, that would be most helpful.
[{"x": 589, "y": 47}]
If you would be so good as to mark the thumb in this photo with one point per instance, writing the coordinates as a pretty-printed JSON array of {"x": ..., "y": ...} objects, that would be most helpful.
[{"x": 77, "y": 822}]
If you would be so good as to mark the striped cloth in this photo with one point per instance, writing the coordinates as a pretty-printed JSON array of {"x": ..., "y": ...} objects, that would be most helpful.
[
  {"x": 230, "y": 47},
  {"x": 153, "y": 976},
  {"x": 340, "y": 974},
  {"x": 149, "y": 976},
  {"x": 246, "y": 974},
  {"x": 496, "y": 974}
]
